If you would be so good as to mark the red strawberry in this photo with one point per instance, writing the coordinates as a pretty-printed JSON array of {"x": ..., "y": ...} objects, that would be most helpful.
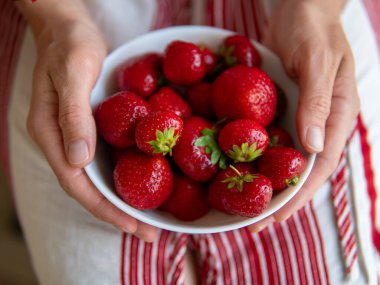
[
  {"x": 197, "y": 159},
  {"x": 244, "y": 92},
  {"x": 166, "y": 99},
  {"x": 158, "y": 132},
  {"x": 140, "y": 74},
  {"x": 279, "y": 137},
  {"x": 210, "y": 58},
  {"x": 199, "y": 98},
  {"x": 240, "y": 192},
  {"x": 117, "y": 116},
  {"x": 243, "y": 140},
  {"x": 188, "y": 201},
  {"x": 239, "y": 49},
  {"x": 183, "y": 63},
  {"x": 143, "y": 181},
  {"x": 282, "y": 165}
]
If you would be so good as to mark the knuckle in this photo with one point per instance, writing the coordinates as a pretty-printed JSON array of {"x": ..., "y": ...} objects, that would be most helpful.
[
  {"x": 83, "y": 60},
  {"x": 66, "y": 183},
  {"x": 69, "y": 115},
  {"x": 319, "y": 105}
]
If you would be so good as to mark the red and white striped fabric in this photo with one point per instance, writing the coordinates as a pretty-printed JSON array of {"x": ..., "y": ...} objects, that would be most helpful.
[
  {"x": 12, "y": 27},
  {"x": 344, "y": 219},
  {"x": 291, "y": 252}
]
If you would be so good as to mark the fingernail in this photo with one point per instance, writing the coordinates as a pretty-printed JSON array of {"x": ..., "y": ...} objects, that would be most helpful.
[
  {"x": 78, "y": 152},
  {"x": 314, "y": 138}
]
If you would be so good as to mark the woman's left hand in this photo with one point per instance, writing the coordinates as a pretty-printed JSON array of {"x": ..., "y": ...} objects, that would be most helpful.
[{"x": 309, "y": 39}]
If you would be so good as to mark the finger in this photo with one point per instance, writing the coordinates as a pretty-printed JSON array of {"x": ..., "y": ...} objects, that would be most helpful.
[
  {"x": 316, "y": 78},
  {"x": 259, "y": 226},
  {"x": 345, "y": 107},
  {"x": 42, "y": 123},
  {"x": 146, "y": 232},
  {"x": 74, "y": 82}
]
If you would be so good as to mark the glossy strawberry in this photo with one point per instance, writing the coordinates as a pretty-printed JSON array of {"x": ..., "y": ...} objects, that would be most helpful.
[
  {"x": 194, "y": 156},
  {"x": 244, "y": 92},
  {"x": 282, "y": 165},
  {"x": 238, "y": 49},
  {"x": 166, "y": 99},
  {"x": 210, "y": 58},
  {"x": 188, "y": 201},
  {"x": 243, "y": 140},
  {"x": 143, "y": 181},
  {"x": 279, "y": 137},
  {"x": 183, "y": 63},
  {"x": 140, "y": 74},
  {"x": 199, "y": 98},
  {"x": 117, "y": 116},
  {"x": 240, "y": 192},
  {"x": 158, "y": 132}
]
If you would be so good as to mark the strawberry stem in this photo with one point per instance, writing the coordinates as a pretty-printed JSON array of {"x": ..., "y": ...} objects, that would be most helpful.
[
  {"x": 293, "y": 181},
  {"x": 239, "y": 180},
  {"x": 244, "y": 153},
  {"x": 165, "y": 141}
]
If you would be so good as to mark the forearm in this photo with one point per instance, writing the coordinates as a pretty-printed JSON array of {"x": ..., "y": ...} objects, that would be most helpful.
[{"x": 44, "y": 16}]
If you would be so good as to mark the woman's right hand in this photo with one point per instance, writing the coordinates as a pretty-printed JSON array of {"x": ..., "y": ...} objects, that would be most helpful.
[{"x": 70, "y": 56}]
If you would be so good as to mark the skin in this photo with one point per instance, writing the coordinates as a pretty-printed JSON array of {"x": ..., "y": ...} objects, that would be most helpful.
[
  {"x": 318, "y": 57},
  {"x": 70, "y": 54}
]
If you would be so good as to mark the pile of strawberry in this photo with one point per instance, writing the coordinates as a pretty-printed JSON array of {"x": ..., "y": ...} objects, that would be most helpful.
[{"x": 192, "y": 129}]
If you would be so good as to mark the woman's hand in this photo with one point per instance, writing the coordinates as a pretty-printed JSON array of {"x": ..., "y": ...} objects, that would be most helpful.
[
  {"x": 70, "y": 55},
  {"x": 308, "y": 37}
]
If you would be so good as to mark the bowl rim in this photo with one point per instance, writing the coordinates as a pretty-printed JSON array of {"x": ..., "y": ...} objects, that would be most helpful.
[{"x": 184, "y": 227}]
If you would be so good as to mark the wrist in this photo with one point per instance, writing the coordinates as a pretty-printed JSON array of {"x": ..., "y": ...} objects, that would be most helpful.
[{"x": 52, "y": 19}]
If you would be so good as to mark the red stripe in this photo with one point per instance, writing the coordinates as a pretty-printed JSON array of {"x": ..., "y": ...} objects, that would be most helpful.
[
  {"x": 311, "y": 245},
  {"x": 345, "y": 226},
  {"x": 122, "y": 257},
  {"x": 245, "y": 32},
  {"x": 224, "y": 258},
  {"x": 338, "y": 177},
  {"x": 178, "y": 270},
  {"x": 237, "y": 257},
  {"x": 269, "y": 257},
  {"x": 350, "y": 244},
  {"x": 254, "y": 14},
  {"x": 210, "y": 13},
  {"x": 341, "y": 208},
  {"x": 298, "y": 248},
  {"x": 370, "y": 178},
  {"x": 337, "y": 188},
  {"x": 160, "y": 269},
  {"x": 285, "y": 252},
  {"x": 147, "y": 261},
  {"x": 354, "y": 257},
  {"x": 252, "y": 255},
  {"x": 133, "y": 261},
  {"x": 12, "y": 29},
  {"x": 319, "y": 240},
  {"x": 224, "y": 14}
]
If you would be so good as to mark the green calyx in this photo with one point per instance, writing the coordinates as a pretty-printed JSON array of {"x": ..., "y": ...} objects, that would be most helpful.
[
  {"x": 245, "y": 153},
  {"x": 227, "y": 54},
  {"x": 239, "y": 180},
  {"x": 293, "y": 181},
  {"x": 273, "y": 141},
  {"x": 165, "y": 141},
  {"x": 208, "y": 141}
]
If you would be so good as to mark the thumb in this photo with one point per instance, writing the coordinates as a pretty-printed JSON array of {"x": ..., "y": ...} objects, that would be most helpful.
[
  {"x": 316, "y": 81},
  {"x": 75, "y": 115}
]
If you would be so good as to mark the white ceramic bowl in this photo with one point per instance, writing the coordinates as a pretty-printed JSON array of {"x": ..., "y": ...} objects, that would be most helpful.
[{"x": 100, "y": 172}]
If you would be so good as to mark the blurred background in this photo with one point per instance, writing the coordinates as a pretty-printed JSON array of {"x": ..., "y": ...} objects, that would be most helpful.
[{"x": 15, "y": 267}]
